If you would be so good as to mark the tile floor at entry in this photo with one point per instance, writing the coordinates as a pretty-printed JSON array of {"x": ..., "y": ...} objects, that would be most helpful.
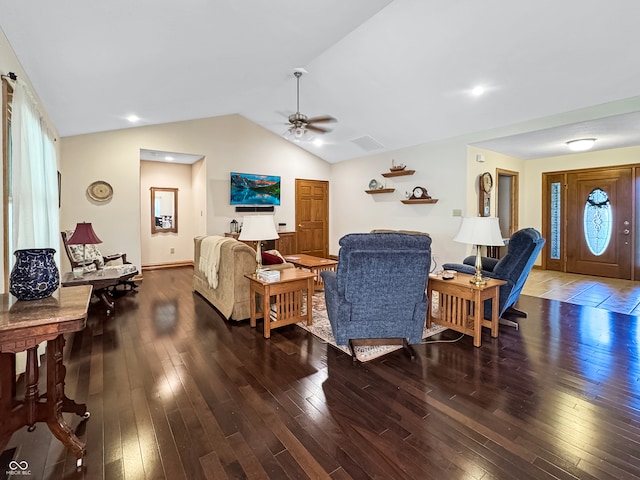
[{"x": 614, "y": 295}]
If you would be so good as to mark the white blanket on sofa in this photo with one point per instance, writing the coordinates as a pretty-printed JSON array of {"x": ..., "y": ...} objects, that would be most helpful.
[{"x": 210, "y": 257}]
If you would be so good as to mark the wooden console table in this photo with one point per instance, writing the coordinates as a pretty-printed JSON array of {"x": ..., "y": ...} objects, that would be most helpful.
[
  {"x": 461, "y": 305},
  {"x": 23, "y": 325},
  {"x": 282, "y": 300},
  {"x": 285, "y": 244}
]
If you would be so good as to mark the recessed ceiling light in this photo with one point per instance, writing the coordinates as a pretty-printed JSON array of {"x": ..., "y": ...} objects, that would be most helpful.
[
  {"x": 133, "y": 118},
  {"x": 318, "y": 142},
  {"x": 477, "y": 91},
  {"x": 581, "y": 144},
  {"x": 169, "y": 158}
]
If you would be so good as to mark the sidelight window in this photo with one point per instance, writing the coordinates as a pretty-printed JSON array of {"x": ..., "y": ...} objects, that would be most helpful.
[{"x": 555, "y": 220}]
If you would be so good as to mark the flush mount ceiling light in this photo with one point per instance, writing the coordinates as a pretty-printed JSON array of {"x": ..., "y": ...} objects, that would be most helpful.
[
  {"x": 581, "y": 144},
  {"x": 477, "y": 91}
]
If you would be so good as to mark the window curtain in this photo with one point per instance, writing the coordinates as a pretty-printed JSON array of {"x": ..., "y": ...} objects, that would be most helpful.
[
  {"x": 33, "y": 185},
  {"x": 34, "y": 219}
]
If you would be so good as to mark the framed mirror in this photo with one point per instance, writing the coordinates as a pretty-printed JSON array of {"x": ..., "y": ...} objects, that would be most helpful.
[{"x": 164, "y": 210}]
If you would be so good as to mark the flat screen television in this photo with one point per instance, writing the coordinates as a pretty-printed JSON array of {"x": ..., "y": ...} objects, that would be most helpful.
[{"x": 254, "y": 189}]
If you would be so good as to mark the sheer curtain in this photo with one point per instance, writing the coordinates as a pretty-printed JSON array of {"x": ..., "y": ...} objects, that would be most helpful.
[
  {"x": 34, "y": 180},
  {"x": 33, "y": 185}
]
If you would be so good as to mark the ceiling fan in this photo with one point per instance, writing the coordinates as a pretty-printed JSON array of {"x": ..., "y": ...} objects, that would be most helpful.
[{"x": 300, "y": 124}]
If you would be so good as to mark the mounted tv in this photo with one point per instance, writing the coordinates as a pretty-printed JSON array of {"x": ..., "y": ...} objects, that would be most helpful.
[{"x": 254, "y": 189}]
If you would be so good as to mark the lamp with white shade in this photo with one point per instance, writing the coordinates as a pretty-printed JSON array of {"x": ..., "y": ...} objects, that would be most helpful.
[
  {"x": 256, "y": 228},
  {"x": 479, "y": 231}
]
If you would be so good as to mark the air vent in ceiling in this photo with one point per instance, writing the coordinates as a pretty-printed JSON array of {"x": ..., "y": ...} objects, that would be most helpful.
[{"x": 367, "y": 143}]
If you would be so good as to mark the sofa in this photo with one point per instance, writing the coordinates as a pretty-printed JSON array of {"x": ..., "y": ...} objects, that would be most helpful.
[{"x": 231, "y": 296}]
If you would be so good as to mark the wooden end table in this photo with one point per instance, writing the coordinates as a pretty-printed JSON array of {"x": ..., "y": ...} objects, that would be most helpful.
[
  {"x": 23, "y": 325},
  {"x": 313, "y": 264},
  {"x": 461, "y": 305},
  {"x": 282, "y": 300}
]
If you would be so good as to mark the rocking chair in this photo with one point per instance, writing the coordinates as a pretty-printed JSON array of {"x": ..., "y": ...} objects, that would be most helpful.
[{"x": 90, "y": 259}]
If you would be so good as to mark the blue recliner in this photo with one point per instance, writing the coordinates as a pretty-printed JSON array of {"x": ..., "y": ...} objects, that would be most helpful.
[
  {"x": 514, "y": 267},
  {"x": 378, "y": 290}
]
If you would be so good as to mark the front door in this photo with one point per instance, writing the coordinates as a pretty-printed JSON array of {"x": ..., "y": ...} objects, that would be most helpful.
[
  {"x": 312, "y": 217},
  {"x": 599, "y": 222}
]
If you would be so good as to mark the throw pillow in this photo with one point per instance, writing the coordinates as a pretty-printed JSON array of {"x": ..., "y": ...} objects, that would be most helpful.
[{"x": 270, "y": 259}]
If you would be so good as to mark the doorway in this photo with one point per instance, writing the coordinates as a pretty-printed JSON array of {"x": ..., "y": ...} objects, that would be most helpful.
[
  {"x": 588, "y": 218},
  {"x": 507, "y": 201},
  {"x": 312, "y": 217}
]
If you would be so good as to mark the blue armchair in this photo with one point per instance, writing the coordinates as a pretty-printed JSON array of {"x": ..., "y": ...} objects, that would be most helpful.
[
  {"x": 514, "y": 267},
  {"x": 378, "y": 290}
]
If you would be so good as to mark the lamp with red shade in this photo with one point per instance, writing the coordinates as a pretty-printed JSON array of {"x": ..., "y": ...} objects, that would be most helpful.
[{"x": 84, "y": 235}]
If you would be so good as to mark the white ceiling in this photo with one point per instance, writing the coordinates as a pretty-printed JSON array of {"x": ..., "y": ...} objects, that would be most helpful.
[{"x": 394, "y": 73}]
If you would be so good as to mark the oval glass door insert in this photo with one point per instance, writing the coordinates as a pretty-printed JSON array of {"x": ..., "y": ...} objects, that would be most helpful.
[{"x": 597, "y": 221}]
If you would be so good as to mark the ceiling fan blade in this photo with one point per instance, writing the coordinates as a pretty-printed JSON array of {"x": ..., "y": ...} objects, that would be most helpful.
[
  {"x": 322, "y": 119},
  {"x": 313, "y": 128}
]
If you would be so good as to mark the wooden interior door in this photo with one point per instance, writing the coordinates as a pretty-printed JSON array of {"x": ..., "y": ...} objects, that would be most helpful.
[
  {"x": 616, "y": 259},
  {"x": 312, "y": 217}
]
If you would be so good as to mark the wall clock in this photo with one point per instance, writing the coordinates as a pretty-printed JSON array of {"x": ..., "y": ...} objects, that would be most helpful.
[
  {"x": 100, "y": 191},
  {"x": 485, "y": 185}
]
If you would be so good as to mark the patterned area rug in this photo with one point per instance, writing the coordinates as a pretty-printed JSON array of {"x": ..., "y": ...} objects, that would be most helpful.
[{"x": 321, "y": 328}]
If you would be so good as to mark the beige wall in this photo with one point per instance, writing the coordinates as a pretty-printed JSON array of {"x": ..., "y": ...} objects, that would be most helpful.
[
  {"x": 449, "y": 171},
  {"x": 228, "y": 143},
  {"x": 157, "y": 248},
  {"x": 441, "y": 168}
]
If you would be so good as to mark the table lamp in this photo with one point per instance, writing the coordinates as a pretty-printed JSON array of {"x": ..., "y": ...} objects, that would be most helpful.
[
  {"x": 83, "y": 235},
  {"x": 256, "y": 228},
  {"x": 479, "y": 231}
]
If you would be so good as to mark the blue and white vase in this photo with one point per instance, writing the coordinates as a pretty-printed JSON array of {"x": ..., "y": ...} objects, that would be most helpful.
[{"x": 34, "y": 275}]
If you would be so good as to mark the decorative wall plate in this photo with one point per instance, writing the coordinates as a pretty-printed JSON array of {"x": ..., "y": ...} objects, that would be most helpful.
[{"x": 100, "y": 191}]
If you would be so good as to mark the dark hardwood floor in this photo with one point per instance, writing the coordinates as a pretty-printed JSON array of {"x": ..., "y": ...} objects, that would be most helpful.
[{"x": 175, "y": 392}]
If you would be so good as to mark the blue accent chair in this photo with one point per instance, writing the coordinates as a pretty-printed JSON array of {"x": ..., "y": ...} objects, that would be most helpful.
[
  {"x": 514, "y": 267},
  {"x": 378, "y": 289}
]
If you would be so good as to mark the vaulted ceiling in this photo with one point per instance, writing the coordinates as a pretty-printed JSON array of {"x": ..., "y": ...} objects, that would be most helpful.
[{"x": 394, "y": 73}]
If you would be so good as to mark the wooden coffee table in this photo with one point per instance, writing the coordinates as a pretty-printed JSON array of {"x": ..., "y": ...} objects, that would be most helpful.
[
  {"x": 282, "y": 300},
  {"x": 313, "y": 264},
  {"x": 461, "y": 305}
]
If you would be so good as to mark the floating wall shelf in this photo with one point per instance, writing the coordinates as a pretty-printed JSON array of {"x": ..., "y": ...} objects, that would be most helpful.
[
  {"x": 399, "y": 173},
  {"x": 420, "y": 200},
  {"x": 381, "y": 190}
]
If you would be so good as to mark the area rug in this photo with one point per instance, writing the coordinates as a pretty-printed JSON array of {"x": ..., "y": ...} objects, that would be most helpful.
[{"x": 321, "y": 328}]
